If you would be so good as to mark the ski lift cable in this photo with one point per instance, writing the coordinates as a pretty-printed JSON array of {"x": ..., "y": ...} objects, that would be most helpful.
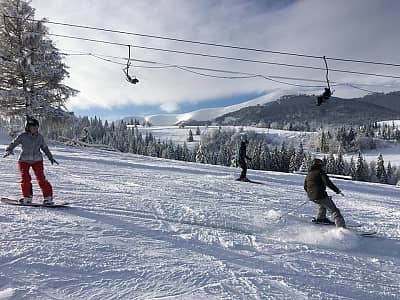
[
  {"x": 95, "y": 56},
  {"x": 246, "y": 75},
  {"x": 213, "y": 44},
  {"x": 191, "y": 68},
  {"x": 222, "y": 57},
  {"x": 357, "y": 88}
]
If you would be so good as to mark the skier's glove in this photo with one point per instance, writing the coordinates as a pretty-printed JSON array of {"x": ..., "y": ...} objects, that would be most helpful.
[
  {"x": 7, "y": 154},
  {"x": 53, "y": 161}
]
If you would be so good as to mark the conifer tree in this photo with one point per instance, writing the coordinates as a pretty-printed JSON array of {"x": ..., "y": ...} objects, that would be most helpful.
[
  {"x": 330, "y": 164},
  {"x": 380, "y": 171},
  {"x": 324, "y": 145},
  {"x": 201, "y": 154},
  {"x": 361, "y": 173},
  {"x": 340, "y": 163},
  {"x": 31, "y": 67},
  {"x": 352, "y": 168},
  {"x": 190, "y": 137},
  {"x": 389, "y": 173}
]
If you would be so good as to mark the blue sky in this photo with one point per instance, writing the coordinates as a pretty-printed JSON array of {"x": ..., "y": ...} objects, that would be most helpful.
[
  {"x": 357, "y": 29},
  {"x": 115, "y": 113}
]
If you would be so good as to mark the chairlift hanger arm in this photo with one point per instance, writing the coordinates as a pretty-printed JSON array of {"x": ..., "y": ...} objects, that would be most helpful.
[
  {"x": 133, "y": 80},
  {"x": 327, "y": 72}
]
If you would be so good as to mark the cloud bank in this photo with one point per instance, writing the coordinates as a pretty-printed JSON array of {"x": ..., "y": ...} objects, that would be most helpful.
[{"x": 358, "y": 29}]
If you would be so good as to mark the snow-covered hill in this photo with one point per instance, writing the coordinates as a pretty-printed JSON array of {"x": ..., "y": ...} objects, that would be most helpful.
[
  {"x": 146, "y": 228},
  {"x": 209, "y": 114},
  {"x": 179, "y": 135}
]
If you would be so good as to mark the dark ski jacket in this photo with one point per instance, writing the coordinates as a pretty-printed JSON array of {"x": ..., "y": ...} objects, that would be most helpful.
[
  {"x": 242, "y": 153},
  {"x": 316, "y": 182}
]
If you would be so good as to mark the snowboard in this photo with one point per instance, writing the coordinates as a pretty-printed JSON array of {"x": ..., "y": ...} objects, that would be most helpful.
[
  {"x": 34, "y": 203},
  {"x": 248, "y": 180},
  {"x": 352, "y": 227}
]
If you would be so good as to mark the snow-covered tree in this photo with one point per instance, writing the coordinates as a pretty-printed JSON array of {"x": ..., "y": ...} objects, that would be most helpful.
[
  {"x": 340, "y": 163},
  {"x": 293, "y": 164},
  {"x": 190, "y": 137},
  {"x": 31, "y": 67},
  {"x": 351, "y": 170},
  {"x": 389, "y": 173},
  {"x": 324, "y": 143},
  {"x": 380, "y": 170},
  {"x": 201, "y": 155},
  {"x": 306, "y": 164},
  {"x": 361, "y": 172},
  {"x": 330, "y": 164}
]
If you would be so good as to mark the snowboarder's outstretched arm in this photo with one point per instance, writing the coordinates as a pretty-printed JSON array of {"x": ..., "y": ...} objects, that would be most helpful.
[
  {"x": 12, "y": 145},
  {"x": 329, "y": 183}
]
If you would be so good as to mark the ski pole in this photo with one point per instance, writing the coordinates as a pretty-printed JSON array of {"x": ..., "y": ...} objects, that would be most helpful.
[{"x": 292, "y": 210}]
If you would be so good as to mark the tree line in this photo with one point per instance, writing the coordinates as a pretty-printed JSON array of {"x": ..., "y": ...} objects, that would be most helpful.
[{"x": 220, "y": 147}]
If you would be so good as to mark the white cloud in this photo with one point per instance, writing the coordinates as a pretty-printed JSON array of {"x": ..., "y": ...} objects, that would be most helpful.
[{"x": 353, "y": 29}]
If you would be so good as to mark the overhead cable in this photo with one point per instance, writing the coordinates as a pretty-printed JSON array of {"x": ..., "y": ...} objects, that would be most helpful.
[
  {"x": 215, "y": 44},
  {"x": 222, "y": 57}
]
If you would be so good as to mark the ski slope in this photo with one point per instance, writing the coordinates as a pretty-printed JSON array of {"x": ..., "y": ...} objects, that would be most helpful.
[{"x": 146, "y": 228}]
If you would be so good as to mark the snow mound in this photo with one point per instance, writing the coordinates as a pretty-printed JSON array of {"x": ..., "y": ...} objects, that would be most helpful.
[
  {"x": 7, "y": 293},
  {"x": 272, "y": 214},
  {"x": 335, "y": 238}
]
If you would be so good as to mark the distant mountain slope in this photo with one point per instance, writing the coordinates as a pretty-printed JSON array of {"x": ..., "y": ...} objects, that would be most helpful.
[
  {"x": 304, "y": 109},
  {"x": 389, "y": 100},
  {"x": 274, "y": 107},
  {"x": 207, "y": 114}
]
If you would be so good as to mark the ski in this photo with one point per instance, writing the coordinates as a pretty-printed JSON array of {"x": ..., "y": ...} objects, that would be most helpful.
[
  {"x": 355, "y": 228},
  {"x": 248, "y": 180},
  {"x": 314, "y": 221},
  {"x": 34, "y": 203}
]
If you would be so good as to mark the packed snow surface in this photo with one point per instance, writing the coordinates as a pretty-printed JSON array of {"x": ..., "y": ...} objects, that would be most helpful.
[{"x": 146, "y": 228}]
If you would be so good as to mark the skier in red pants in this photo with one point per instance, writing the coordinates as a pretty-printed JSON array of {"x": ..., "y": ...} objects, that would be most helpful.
[{"x": 32, "y": 142}]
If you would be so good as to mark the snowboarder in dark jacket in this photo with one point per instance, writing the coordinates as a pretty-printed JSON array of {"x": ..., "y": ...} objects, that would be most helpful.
[
  {"x": 242, "y": 160},
  {"x": 32, "y": 142},
  {"x": 315, "y": 185}
]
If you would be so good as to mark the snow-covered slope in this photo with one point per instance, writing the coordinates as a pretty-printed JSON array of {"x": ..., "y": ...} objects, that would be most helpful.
[
  {"x": 390, "y": 123},
  {"x": 146, "y": 228},
  {"x": 210, "y": 113},
  {"x": 179, "y": 135}
]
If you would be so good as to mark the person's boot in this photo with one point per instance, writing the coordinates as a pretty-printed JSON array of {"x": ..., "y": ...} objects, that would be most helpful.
[
  {"x": 48, "y": 200},
  {"x": 25, "y": 200},
  {"x": 324, "y": 220}
]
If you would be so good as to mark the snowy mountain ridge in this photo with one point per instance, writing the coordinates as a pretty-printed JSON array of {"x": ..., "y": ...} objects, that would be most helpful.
[
  {"x": 209, "y": 114},
  {"x": 281, "y": 106}
]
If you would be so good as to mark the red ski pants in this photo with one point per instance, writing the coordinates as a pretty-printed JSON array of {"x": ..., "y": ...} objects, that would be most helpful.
[{"x": 26, "y": 178}]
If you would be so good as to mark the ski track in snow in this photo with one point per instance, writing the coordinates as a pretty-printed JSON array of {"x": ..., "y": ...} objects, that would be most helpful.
[{"x": 146, "y": 228}]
